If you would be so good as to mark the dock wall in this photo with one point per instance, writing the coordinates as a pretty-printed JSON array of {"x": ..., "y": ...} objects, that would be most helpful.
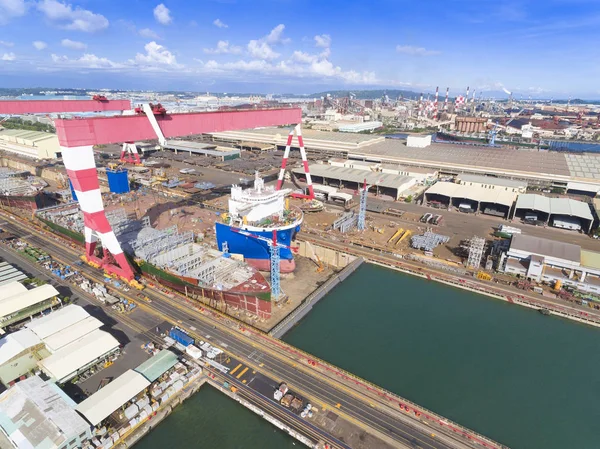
[
  {"x": 307, "y": 304},
  {"x": 328, "y": 256}
]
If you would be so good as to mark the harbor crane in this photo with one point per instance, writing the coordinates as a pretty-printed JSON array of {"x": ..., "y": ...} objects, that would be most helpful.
[
  {"x": 274, "y": 249},
  {"x": 494, "y": 132},
  {"x": 77, "y": 136}
]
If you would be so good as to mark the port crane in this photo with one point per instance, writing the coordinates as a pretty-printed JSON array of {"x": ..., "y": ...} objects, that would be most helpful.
[
  {"x": 78, "y": 135},
  {"x": 274, "y": 250},
  {"x": 494, "y": 132}
]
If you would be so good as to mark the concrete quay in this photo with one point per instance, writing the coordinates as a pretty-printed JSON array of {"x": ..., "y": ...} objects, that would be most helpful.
[
  {"x": 389, "y": 260},
  {"x": 309, "y": 302}
]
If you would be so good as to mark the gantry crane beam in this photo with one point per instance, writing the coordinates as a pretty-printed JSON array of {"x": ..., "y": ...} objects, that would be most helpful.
[
  {"x": 17, "y": 107},
  {"x": 78, "y": 132}
]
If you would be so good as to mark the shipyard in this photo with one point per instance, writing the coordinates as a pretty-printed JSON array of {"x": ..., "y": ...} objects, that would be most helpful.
[{"x": 153, "y": 245}]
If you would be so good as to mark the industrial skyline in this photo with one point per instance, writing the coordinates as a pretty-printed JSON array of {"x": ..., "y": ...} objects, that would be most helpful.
[{"x": 268, "y": 46}]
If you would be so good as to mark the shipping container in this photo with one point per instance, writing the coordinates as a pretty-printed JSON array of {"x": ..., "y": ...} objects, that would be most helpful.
[{"x": 181, "y": 337}]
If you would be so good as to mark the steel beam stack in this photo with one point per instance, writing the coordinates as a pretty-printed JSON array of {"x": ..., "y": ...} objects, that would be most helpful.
[
  {"x": 428, "y": 241},
  {"x": 476, "y": 249}
]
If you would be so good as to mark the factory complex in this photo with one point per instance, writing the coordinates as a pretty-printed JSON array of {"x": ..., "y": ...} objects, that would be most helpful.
[{"x": 551, "y": 261}]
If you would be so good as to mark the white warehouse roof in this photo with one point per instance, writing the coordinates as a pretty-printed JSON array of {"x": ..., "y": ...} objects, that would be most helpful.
[
  {"x": 528, "y": 244},
  {"x": 356, "y": 175},
  {"x": 26, "y": 299},
  {"x": 105, "y": 401},
  {"x": 554, "y": 206},
  {"x": 57, "y": 320},
  {"x": 72, "y": 333},
  {"x": 64, "y": 363},
  {"x": 492, "y": 180},
  {"x": 11, "y": 289},
  {"x": 474, "y": 193},
  {"x": 15, "y": 343}
]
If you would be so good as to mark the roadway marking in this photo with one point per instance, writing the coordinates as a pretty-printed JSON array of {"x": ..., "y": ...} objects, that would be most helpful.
[
  {"x": 235, "y": 369},
  {"x": 241, "y": 373}
]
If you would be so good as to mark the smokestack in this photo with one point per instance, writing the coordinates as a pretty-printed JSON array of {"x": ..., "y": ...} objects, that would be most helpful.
[
  {"x": 473, "y": 98},
  {"x": 446, "y": 100},
  {"x": 435, "y": 105},
  {"x": 467, "y": 97}
]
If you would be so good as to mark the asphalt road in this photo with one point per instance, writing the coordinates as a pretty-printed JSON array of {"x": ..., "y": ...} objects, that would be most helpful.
[{"x": 350, "y": 403}]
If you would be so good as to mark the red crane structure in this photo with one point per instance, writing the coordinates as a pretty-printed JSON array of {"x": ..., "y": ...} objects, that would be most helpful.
[{"x": 78, "y": 135}]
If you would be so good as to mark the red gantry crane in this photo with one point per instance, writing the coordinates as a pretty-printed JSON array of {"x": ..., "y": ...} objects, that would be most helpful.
[{"x": 78, "y": 135}]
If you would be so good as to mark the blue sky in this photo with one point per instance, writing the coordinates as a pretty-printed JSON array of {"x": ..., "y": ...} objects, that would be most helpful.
[{"x": 542, "y": 48}]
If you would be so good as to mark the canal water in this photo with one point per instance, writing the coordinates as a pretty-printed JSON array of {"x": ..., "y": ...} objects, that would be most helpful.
[
  {"x": 211, "y": 420},
  {"x": 524, "y": 379}
]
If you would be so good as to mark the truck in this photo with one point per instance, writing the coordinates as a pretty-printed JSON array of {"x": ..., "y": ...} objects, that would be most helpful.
[
  {"x": 280, "y": 391},
  {"x": 181, "y": 337}
]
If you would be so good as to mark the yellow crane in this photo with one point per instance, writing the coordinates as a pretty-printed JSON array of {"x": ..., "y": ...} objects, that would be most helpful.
[{"x": 404, "y": 236}]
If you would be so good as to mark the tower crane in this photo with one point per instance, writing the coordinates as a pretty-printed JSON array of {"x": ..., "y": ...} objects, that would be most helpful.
[{"x": 274, "y": 247}]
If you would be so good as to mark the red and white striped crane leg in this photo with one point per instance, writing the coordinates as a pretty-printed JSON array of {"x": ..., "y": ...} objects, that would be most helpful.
[
  {"x": 286, "y": 154},
  {"x": 309, "y": 184},
  {"x": 81, "y": 168}
]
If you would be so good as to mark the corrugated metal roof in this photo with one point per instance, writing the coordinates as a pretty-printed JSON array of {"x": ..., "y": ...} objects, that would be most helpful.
[
  {"x": 545, "y": 247},
  {"x": 590, "y": 259},
  {"x": 62, "y": 365},
  {"x": 109, "y": 398},
  {"x": 57, "y": 320},
  {"x": 474, "y": 193},
  {"x": 554, "y": 206},
  {"x": 356, "y": 175},
  {"x": 37, "y": 414},
  {"x": 33, "y": 136},
  {"x": 72, "y": 333},
  {"x": 11, "y": 289},
  {"x": 26, "y": 299},
  {"x": 491, "y": 180},
  {"x": 155, "y": 366},
  {"x": 15, "y": 343}
]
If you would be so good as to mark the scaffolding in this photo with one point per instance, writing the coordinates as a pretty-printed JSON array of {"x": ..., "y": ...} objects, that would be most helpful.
[
  {"x": 476, "y": 249},
  {"x": 275, "y": 281},
  {"x": 428, "y": 241},
  {"x": 362, "y": 211},
  {"x": 346, "y": 222}
]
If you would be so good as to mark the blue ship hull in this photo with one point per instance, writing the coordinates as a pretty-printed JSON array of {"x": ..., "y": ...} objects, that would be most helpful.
[{"x": 253, "y": 249}]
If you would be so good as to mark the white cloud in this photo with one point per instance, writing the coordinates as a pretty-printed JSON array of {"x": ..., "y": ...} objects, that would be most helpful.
[
  {"x": 323, "y": 40},
  {"x": 261, "y": 50},
  {"x": 73, "y": 45},
  {"x": 276, "y": 35},
  {"x": 302, "y": 57},
  {"x": 8, "y": 57},
  {"x": 10, "y": 9},
  {"x": 219, "y": 23},
  {"x": 223, "y": 47},
  {"x": 39, "y": 45},
  {"x": 148, "y": 33},
  {"x": 416, "y": 51},
  {"x": 162, "y": 14},
  {"x": 156, "y": 55},
  {"x": 7, "y": 44},
  {"x": 77, "y": 19},
  {"x": 315, "y": 69},
  {"x": 87, "y": 61}
]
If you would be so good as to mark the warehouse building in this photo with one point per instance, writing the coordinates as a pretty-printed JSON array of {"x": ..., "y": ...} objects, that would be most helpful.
[
  {"x": 544, "y": 260},
  {"x": 10, "y": 274},
  {"x": 471, "y": 198},
  {"x": 17, "y": 303},
  {"x": 63, "y": 344},
  {"x": 559, "y": 212},
  {"x": 354, "y": 178},
  {"x": 113, "y": 396},
  {"x": 37, "y": 414},
  {"x": 33, "y": 144},
  {"x": 492, "y": 182},
  {"x": 157, "y": 365}
]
